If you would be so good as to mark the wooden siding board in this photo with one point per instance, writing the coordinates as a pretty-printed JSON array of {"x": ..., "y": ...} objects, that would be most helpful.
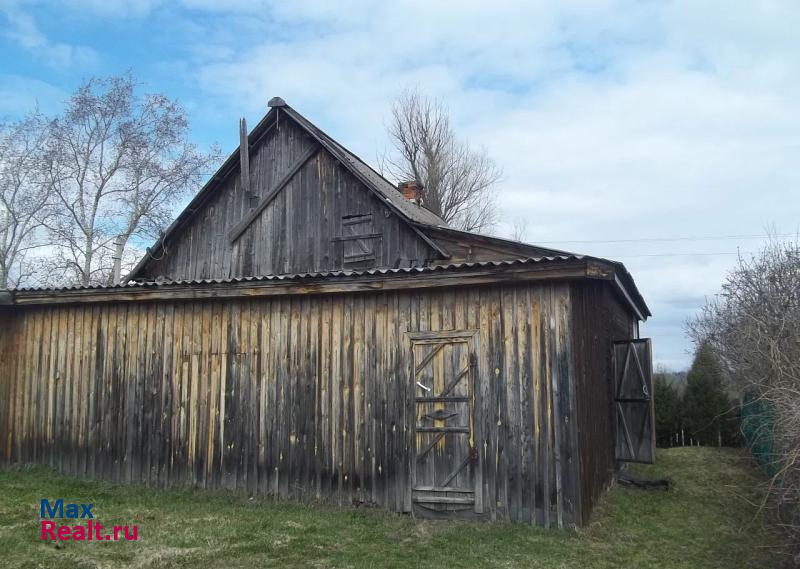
[
  {"x": 291, "y": 231},
  {"x": 301, "y": 397},
  {"x": 598, "y": 319}
]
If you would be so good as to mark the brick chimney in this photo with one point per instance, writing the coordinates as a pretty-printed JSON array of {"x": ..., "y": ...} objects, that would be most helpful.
[{"x": 412, "y": 191}]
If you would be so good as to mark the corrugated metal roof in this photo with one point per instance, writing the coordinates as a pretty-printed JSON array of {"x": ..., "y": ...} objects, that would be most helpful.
[{"x": 320, "y": 274}]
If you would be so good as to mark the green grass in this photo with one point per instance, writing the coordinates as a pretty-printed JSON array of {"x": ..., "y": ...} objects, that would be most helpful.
[{"x": 707, "y": 520}]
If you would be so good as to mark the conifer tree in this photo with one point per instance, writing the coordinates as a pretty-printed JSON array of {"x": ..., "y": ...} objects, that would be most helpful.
[
  {"x": 707, "y": 410},
  {"x": 668, "y": 410}
]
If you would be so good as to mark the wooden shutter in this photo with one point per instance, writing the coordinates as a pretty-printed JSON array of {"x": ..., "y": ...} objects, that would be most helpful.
[
  {"x": 358, "y": 239},
  {"x": 633, "y": 401}
]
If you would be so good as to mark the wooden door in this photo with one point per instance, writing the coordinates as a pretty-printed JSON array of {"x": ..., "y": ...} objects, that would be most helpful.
[
  {"x": 446, "y": 472},
  {"x": 633, "y": 400}
]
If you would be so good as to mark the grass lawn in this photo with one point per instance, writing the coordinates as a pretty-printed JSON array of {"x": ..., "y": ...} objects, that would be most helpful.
[{"x": 706, "y": 521}]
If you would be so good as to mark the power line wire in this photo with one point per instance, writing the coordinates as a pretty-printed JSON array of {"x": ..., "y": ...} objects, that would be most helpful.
[
  {"x": 665, "y": 239},
  {"x": 675, "y": 254}
]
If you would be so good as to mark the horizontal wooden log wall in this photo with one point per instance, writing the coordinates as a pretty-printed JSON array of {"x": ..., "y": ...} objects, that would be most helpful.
[{"x": 302, "y": 397}]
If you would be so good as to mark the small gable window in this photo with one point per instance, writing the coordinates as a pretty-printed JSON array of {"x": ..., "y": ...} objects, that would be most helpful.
[{"x": 359, "y": 242}]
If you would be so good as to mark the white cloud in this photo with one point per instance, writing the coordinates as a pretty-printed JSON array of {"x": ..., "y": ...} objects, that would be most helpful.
[
  {"x": 611, "y": 118},
  {"x": 19, "y": 95},
  {"x": 22, "y": 29}
]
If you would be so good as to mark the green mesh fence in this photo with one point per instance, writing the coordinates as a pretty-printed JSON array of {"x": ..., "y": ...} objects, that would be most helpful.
[{"x": 757, "y": 424}]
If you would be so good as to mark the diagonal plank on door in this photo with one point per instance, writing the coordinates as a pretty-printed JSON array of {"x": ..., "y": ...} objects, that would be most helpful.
[{"x": 427, "y": 359}]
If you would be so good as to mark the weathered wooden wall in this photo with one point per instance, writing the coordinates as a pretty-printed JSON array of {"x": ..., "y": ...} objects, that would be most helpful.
[
  {"x": 598, "y": 319},
  {"x": 295, "y": 396},
  {"x": 297, "y": 231}
]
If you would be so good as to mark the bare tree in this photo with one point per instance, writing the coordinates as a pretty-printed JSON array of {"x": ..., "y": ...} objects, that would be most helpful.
[
  {"x": 519, "y": 230},
  {"x": 119, "y": 163},
  {"x": 754, "y": 326},
  {"x": 458, "y": 179},
  {"x": 24, "y": 200}
]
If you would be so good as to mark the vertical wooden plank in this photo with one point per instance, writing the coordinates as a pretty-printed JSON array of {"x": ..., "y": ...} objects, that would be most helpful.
[
  {"x": 253, "y": 434},
  {"x": 94, "y": 373},
  {"x": 244, "y": 399},
  {"x": 165, "y": 430},
  {"x": 381, "y": 372},
  {"x": 7, "y": 365},
  {"x": 222, "y": 413},
  {"x": 26, "y": 443},
  {"x": 547, "y": 406},
  {"x": 74, "y": 398},
  {"x": 106, "y": 430},
  {"x": 129, "y": 379},
  {"x": 117, "y": 427},
  {"x": 293, "y": 405},
  {"x": 273, "y": 450},
  {"x": 556, "y": 379},
  {"x": 146, "y": 353},
  {"x": 566, "y": 416},
  {"x": 184, "y": 389},
  {"x": 195, "y": 394},
  {"x": 232, "y": 385},
  {"x": 336, "y": 400},
  {"x": 176, "y": 372},
  {"x": 283, "y": 395},
  {"x": 16, "y": 393},
  {"x": 265, "y": 347},
  {"x": 54, "y": 379},
  {"x": 370, "y": 380},
  {"x": 142, "y": 405},
  {"x": 393, "y": 386},
  {"x": 157, "y": 387},
  {"x": 75, "y": 390},
  {"x": 357, "y": 374},
  {"x": 527, "y": 428},
  {"x": 32, "y": 386},
  {"x": 326, "y": 356},
  {"x": 316, "y": 434},
  {"x": 200, "y": 391},
  {"x": 6, "y": 359},
  {"x": 214, "y": 417},
  {"x": 17, "y": 421},
  {"x": 473, "y": 315},
  {"x": 406, "y": 400},
  {"x": 491, "y": 322},
  {"x": 35, "y": 367},
  {"x": 23, "y": 443},
  {"x": 86, "y": 389},
  {"x": 308, "y": 406},
  {"x": 52, "y": 348},
  {"x": 347, "y": 427}
]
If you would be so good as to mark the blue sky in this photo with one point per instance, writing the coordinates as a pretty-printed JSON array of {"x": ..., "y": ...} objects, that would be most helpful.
[{"x": 612, "y": 120}]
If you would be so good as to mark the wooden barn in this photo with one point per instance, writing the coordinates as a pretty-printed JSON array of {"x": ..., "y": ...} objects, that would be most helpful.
[{"x": 307, "y": 330}]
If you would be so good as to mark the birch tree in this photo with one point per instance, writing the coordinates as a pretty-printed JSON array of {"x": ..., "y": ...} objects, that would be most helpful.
[
  {"x": 24, "y": 200},
  {"x": 120, "y": 164}
]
